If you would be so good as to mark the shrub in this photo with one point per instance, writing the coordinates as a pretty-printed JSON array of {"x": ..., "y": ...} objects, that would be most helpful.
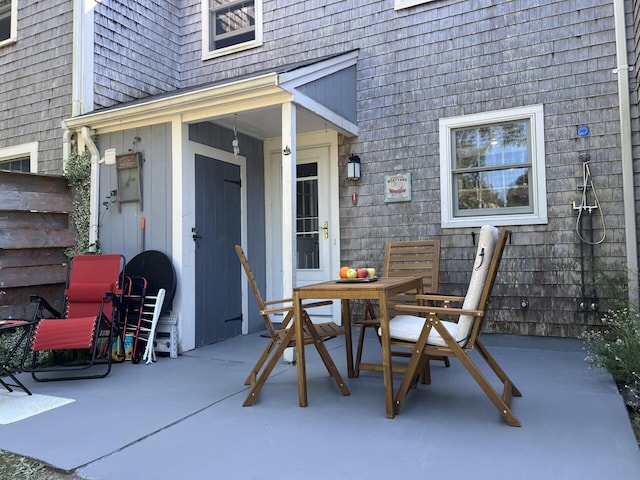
[
  {"x": 78, "y": 172},
  {"x": 616, "y": 347}
]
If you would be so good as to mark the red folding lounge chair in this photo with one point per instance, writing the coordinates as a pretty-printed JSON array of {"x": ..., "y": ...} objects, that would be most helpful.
[{"x": 82, "y": 335}]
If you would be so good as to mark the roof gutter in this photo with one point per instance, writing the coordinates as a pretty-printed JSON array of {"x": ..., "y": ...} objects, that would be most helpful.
[
  {"x": 622, "y": 70},
  {"x": 234, "y": 95}
]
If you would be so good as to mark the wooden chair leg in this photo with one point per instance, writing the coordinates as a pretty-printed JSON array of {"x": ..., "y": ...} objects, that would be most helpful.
[
  {"x": 425, "y": 375},
  {"x": 368, "y": 313},
  {"x": 326, "y": 358},
  {"x": 260, "y": 381},
  {"x": 356, "y": 368},
  {"x": 497, "y": 370},
  {"x": 414, "y": 369},
  {"x": 263, "y": 358},
  {"x": 503, "y": 404}
]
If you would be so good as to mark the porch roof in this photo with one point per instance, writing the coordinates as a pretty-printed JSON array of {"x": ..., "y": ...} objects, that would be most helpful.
[{"x": 251, "y": 103}]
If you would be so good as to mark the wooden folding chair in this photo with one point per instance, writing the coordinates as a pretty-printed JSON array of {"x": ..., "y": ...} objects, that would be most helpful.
[
  {"x": 416, "y": 258},
  {"x": 443, "y": 329},
  {"x": 284, "y": 336}
]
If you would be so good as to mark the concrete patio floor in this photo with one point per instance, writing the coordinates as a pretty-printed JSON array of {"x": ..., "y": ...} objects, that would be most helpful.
[{"x": 182, "y": 419}]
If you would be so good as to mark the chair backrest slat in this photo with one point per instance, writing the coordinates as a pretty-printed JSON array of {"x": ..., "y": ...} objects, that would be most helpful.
[
  {"x": 414, "y": 258},
  {"x": 256, "y": 291}
]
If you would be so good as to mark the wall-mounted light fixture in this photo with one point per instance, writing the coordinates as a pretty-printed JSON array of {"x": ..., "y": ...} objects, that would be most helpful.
[
  {"x": 109, "y": 157},
  {"x": 234, "y": 143},
  {"x": 353, "y": 168}
]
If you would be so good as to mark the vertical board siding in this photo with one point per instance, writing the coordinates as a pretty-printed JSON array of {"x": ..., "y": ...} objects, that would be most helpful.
[
  {"x": 120, "y": 228},
  {"x": 35, "y": 80}
]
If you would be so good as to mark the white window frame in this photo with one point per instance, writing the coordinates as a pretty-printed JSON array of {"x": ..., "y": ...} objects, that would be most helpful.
[
  {"x": 535, "y": 115},
  {"x": 9, "y": 154},
  {"x": 209, "y": 54},
  {"x": 400, "y": 4},
  {"x": 13, "y": 35}
]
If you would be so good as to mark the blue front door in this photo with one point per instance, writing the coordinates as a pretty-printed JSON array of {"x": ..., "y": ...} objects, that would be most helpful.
[{"x": 218, "y": 230}]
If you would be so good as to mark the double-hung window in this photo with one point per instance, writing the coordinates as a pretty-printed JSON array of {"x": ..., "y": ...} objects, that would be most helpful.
[
  {"x": 493, "y": 168},
  {"x": 400, "y": 4},
  {"x": 230, "y": 26},
  {"x": 8, "y": 21},
  {"x": 20, "y": 158}
]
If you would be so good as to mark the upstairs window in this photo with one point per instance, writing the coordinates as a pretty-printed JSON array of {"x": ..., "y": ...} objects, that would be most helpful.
[
  {"x": 8, "y": 21},
  {"x": 493, "y": 168},
  {"x": 400, "y": 4},
  {"x": 20, "y": 158},
  {"x": 17, "y": 165},
  {"x": 230, "y": 26}
]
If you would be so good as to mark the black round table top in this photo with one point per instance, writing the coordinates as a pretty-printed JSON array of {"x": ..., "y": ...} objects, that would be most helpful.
[{"x": 157, "y": 268}]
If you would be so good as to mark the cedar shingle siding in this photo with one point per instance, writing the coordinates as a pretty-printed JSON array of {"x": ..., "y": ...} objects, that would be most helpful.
[
  {"x": 441, "y": 59},
  {"x": 417, "y": 65},
  {"x": 137, "y": 50},
  {"x": 35, "y": 80}
]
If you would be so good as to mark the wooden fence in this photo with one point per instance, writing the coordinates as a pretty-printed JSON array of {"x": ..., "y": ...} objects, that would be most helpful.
[{"x": 35, "y": 230}]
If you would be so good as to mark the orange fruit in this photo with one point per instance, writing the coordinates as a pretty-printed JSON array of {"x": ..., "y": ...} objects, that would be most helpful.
[{"x": 343, "y": 272}]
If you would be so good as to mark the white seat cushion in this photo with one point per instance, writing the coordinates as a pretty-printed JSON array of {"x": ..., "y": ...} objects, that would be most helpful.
[
  {"x": 484, "y": 254},
  {"x": 408, "y": 327}
]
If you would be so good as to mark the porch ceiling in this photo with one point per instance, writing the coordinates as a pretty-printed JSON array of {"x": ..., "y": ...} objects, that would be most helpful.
[{"x": 265, "y": 122}]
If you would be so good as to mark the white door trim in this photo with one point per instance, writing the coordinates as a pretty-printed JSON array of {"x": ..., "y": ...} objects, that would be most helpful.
[{"x": 272, "y": 146}]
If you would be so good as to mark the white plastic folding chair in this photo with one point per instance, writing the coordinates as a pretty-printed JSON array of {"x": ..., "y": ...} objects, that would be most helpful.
[{"x": 150, "y": 322}]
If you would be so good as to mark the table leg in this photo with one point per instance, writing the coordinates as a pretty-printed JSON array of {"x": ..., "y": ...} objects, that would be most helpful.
[
  {"x": 386, "y": 357},
  {"x": 346, "y": 324},
  {"x": 301, "y": 366}
]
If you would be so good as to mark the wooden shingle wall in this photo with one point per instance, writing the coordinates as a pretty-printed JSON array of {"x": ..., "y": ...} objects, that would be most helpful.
[
  {"x": 34, "y": 232},
  {"x": 416, "y": 66},
  {"x": 137, "y": 50},
  {"x": 35, "y": 80},
  {"x": 455, "y": 58}
]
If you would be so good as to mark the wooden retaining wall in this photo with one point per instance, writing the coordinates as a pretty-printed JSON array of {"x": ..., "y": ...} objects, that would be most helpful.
[{"x": 35, "y": 230}]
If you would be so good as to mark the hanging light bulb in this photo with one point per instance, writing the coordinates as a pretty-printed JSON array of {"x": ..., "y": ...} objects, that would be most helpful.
[{"x": 234, "y": 143}]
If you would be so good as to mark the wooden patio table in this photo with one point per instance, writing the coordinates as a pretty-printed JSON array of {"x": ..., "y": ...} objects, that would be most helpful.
[{"x": 380, "y": 290}]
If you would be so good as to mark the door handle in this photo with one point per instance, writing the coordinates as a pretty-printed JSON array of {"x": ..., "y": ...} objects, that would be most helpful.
[
  {"x": 194, "y": 234},
  {"x": 326, "y": 229}
]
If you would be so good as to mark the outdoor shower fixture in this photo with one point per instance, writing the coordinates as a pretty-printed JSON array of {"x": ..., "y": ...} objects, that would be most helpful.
[
  {"x": 589, "y": 202},
  {"x": 586, "y": 225}
]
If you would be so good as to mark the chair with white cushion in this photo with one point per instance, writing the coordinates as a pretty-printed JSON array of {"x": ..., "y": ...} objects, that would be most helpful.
[
  {"x": 413, "y": 258},
  {"x": 439, "y": 328}
]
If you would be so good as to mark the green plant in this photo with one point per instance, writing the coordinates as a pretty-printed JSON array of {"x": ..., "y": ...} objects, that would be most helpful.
[
  {"x": 8, "y": 343},
  {"x": 616, "y": 347},
  {"x": 78, "y": 172}
]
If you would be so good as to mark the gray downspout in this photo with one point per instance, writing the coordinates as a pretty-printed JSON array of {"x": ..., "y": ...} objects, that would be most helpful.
[
  {"x": 622, "y": 70},
  {"x": 94, "y": 208}
]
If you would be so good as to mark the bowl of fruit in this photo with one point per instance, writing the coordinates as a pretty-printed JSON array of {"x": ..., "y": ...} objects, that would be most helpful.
[{"x": 363, "y": 274}]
